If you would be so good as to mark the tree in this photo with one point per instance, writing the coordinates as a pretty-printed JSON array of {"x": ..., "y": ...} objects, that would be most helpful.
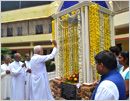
[
  {"x": 50, "y": 66},
  {"x": 4, "y": 52}
]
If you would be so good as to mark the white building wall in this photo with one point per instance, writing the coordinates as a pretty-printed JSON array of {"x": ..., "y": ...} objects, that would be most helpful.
[{"x": 121, "y": 19}]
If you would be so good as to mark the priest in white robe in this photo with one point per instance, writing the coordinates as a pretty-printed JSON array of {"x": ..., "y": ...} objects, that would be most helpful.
[
  {"x": 18, "y": 81},
  {"x": 27, "y": 77},
  {"x": 6, "y": 79},
  {"x": 40, "y": 89}
]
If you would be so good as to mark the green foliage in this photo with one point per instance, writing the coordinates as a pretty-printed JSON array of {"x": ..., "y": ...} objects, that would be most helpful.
[
  {"x": 50, "y": 66},
  {"x": 4, "y": 52},
  {"x": 22, "y": 59},
  {"x": 48, "y": 63}
]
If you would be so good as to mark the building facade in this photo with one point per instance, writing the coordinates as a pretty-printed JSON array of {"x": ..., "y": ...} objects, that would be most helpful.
[
  {"x": 121, "y": 24},
  {"x": 22, "y": 29}
]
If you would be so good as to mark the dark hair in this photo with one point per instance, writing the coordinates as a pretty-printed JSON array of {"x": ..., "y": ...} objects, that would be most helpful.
[
  {"x": 125, "y": 55},
  {"x": 107, "y": 58},
  {"x": 115, "y": 49}
]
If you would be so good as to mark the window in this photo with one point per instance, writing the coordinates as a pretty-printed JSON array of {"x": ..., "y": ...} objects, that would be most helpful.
[
  {"x": 19, "y": 31},
  {"x": 50, "y": 28},
  {"x": 44, "y": 52},
  {"x": 9, "y": 31},
  {"x": 2, "y": 32},
  {"x": 39, "y": 29}
]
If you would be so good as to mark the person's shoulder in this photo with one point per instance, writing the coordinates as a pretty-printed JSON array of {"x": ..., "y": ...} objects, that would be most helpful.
[
  {"x": 2, "y": 66},
  {"x": 121, "y": 68},
  {"x": 20, "y": 62},
  {"x": 11, "y": 64},
  {"x": 107, "y": 84},
  {"x": 127, "y": 75}
]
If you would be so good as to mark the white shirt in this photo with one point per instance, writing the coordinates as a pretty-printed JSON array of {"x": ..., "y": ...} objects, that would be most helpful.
[
  {"x": 18, "y": 81},
  {"x": 27, "y": 78},
  {"x": 107, "y": 90},
  {"x": 40, "y": 89},
  {"x": 123, "y": 73},
  {"x": 5, "y": 81}
]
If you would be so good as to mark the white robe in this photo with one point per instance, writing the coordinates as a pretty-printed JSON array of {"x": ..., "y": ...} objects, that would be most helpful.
[
  {"x": 40, "y": 89},
  {"x": 18, "y": 81},
  {"x": 5, "y": 82},
  {"x": 27, "y": 78}
]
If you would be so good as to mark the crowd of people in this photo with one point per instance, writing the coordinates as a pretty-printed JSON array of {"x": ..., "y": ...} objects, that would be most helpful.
[
  {"x": 113, "y": 66},
  {"x": 28, "y": 81}
]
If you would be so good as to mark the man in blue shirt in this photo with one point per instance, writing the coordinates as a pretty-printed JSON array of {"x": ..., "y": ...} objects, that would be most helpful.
[{"x": 111, "y": 85}]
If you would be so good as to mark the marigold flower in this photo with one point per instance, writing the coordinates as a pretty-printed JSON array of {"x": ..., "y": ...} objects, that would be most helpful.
[
  {"x": 73, "y": 75},
  {"x": 75, "y": 79}
]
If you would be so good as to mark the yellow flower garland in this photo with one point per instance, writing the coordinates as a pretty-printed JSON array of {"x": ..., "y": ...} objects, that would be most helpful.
[
  {"x": 99, "y": 34},
  {"x": 53, "y": 30},
  {"x": 70, "y": 44},
  {"x": 106, "y": 32},
  {"x": 75, "y": 49},
  {"x": 65, "y": 39},
  {"x": 82, "y": 8},
  {"x": 66, "y": 50},
  {"x": 94, "y": 32},
  {"x": 94, "y": 35}
]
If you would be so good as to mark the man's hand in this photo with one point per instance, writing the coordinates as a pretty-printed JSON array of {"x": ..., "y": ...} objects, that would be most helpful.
[
  {"x": 29, "y": 70},
  {"x": 95, "y": 83},
  {"x": 7, "y": 71},
  {"x": 54, "y": 42},
  {"x": 24, "y": 64}
]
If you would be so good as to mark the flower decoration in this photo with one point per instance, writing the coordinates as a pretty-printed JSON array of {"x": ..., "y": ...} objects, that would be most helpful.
[
  {"x": 53, "y": 31},
  {"x": 73, "y": 12},
  {"x": 69, "y": 44},
  {"x": 73, "y": 78},
  {"x": 65, "y": 17}
]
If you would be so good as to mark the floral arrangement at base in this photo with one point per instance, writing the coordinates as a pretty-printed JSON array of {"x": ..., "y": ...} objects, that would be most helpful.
[{"x": 74, "y": 78}]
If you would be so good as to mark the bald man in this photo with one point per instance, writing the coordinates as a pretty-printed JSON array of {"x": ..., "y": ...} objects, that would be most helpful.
[
  {"x": 40, "y": 89},
  {"x": 18, "y": 81}
]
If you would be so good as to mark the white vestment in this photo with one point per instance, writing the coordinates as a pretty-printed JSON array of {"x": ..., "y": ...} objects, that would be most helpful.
[
  {"x": 40, "y": 89},
  {"x": 18, "y": 81},
  {"x": 27, "y": 78},
  {"x": 5, "y": 82}
]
